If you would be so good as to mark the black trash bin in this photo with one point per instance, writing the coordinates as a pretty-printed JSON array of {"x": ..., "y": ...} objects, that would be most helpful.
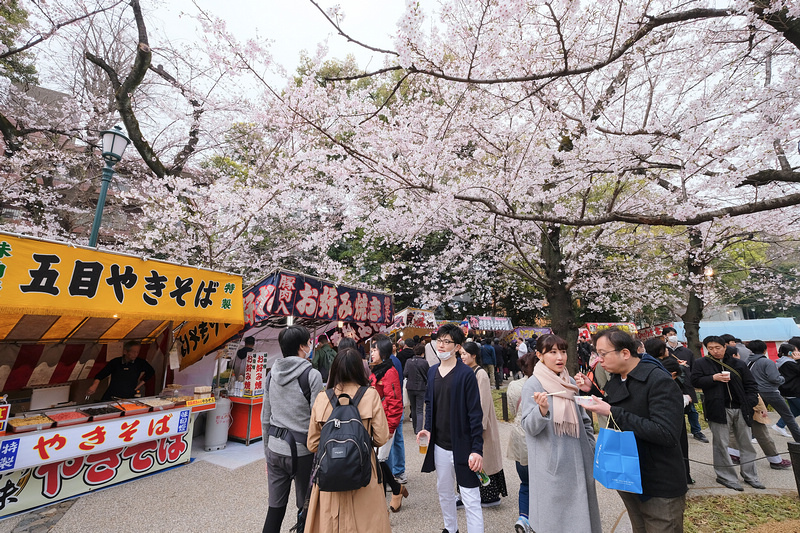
[{"x": 794, "y": 454}]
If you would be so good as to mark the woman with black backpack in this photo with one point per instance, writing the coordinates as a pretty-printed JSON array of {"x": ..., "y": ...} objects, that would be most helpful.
[{"x": 350, "y": 511}]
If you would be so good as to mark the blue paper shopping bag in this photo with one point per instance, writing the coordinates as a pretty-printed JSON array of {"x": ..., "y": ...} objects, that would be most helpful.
[{"x": 616, "y": 461}]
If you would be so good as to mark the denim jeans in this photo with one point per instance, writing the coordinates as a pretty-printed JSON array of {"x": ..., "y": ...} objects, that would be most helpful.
[
  {"x": 694, "y": 420},
  {"x": 524, "y": 494},
  {"x": 397, "y": 457}
]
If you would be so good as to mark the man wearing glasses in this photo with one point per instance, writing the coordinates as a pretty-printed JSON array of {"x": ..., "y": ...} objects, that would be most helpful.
[
  {"x": 641, "y": 397},
  {"x": 453, "y": 426}
]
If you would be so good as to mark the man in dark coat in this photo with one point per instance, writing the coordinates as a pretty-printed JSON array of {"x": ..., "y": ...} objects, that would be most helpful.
[
  {"x": 453, "y": 425},
  {"x": 730, "y": 393},
  {"x": 641, "y": 397},
  {"x": 685, "y": 358}
]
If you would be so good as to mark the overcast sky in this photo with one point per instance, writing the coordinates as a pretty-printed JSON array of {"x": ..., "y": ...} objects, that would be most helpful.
[{"x": 296, "y": 25}]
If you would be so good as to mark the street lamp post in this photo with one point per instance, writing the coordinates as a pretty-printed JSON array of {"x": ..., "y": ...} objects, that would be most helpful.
[{"x": 114, "y": 144}]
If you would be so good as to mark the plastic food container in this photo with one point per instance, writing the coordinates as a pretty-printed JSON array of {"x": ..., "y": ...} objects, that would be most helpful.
[
  {"x": 131, "y": 408},
  {"x": 584, "y": 400},
  {"x": 21, "y": 424},
  {"x": 67, "y": 417},
  {"x": 102, "y": 412},
  {"x": 157, "y": 404}
]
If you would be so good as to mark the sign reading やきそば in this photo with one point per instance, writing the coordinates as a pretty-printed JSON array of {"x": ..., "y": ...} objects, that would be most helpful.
[
  {"x": 60, "y": 444},
  {"x": 38, "y": 277}
]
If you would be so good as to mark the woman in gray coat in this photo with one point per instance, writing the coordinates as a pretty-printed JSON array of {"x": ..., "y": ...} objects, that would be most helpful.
[{"x": 560, "y": 442}]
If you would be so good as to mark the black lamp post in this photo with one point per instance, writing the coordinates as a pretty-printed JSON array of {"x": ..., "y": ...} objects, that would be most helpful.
[{"x": 114, "y": 144}]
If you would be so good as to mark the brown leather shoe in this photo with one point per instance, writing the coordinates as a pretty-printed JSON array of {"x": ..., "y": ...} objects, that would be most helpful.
[{"x": 397, "y": 499}]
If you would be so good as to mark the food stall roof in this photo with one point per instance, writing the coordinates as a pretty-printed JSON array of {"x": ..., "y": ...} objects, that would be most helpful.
[{"x": 56, "y": 293}]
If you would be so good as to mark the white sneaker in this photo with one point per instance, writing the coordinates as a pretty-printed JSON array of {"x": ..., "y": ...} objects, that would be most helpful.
[
  {"x": 522, "y": 526},
  {"x": 782, "y": 431}
]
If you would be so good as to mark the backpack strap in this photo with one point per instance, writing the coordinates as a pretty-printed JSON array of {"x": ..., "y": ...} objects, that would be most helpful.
[{"x": 304, "y": 386}]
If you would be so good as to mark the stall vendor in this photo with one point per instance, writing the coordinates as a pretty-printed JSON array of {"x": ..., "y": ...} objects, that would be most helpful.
[
  {"x": 240, "y": 363},
  {"x": 128, "y": 374}
]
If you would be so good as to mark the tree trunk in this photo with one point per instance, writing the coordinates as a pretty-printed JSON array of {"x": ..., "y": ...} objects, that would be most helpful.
[
  {"x": 695, "y": 305},
  {"x": 562, "y": 313}
]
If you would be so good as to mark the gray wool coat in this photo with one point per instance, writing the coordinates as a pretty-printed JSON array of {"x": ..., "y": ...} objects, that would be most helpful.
[{"x": 563, "y": 496}]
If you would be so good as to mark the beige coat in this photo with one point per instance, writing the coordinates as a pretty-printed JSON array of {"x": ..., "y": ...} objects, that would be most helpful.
[
  {"x": 356, "y": 510},
  {"x": 517, "y": 446},
  {"x": 492, "y": 447}
]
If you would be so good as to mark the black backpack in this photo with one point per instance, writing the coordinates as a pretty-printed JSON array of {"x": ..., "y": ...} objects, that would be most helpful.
[{"x": 345, "y": 450}]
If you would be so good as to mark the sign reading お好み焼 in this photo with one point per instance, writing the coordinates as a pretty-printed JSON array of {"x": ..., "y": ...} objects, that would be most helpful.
[
  {"x": 285, "y": 293},
  {"x": 38, "y": 277}
]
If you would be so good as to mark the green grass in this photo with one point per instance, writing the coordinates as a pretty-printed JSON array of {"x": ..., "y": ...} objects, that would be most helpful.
[
  {"x": 732, "y": 514},
  {"x": 498, "y": 404}
]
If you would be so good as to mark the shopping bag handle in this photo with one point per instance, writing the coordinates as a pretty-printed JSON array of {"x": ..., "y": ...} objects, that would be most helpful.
[{"x": 611, "y": 419}]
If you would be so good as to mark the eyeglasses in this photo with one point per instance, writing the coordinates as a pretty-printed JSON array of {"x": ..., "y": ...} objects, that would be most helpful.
[
  {"x": 603, "y": 355},
  {"x": 445, "y": 341}
]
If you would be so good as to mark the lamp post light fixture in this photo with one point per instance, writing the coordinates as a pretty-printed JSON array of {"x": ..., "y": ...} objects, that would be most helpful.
[{"x": 114, "y": 144}]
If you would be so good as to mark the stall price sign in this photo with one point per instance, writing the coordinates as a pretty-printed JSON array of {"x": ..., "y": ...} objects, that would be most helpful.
[
  {"x": 60, "y": 444},
  {"x": 4, "y": 410},
  {"x": 57, "y": 279}
]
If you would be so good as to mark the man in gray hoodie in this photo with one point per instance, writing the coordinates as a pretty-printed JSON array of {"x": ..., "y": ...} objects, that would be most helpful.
[
  {"x": 292, "y": 386},
  {"x": 766, "y": 374}
]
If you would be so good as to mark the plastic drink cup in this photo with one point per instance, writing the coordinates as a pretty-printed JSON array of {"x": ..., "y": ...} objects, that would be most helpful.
[
  {"x": 726, "y": 373},
  {"x": 423, "y": 445}
]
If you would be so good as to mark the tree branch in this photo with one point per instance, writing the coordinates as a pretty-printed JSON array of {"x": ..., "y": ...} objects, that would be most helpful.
[{"x": 346, "y": 36}]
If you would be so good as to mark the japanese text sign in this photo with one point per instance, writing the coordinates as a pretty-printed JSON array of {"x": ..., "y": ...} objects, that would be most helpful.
[
  {"x": 196, "y": 339},
  {"x": 286, "y": 293},
  {"x": 39, "y": 277},
  {"x": 68, "y": 442}
]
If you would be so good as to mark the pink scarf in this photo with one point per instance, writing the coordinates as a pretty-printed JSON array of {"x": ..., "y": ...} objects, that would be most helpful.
[{"x": 565, "y": 416}]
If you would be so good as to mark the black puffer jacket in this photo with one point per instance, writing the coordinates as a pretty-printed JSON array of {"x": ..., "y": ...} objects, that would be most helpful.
[
  {"x": 650, "y": 404},
  {"x": 740, "y": 392}
]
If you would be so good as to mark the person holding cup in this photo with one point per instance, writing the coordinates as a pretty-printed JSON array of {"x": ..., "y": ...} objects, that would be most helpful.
[{"x": 731, "y": 393}]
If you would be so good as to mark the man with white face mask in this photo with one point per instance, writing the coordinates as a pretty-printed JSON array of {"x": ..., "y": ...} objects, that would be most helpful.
[
  {"x": 453, "y": 427},
  {"x": 685, "y": 357}
]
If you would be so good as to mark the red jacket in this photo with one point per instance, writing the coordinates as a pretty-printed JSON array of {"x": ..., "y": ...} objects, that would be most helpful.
[{"x": 391, "y": 394}]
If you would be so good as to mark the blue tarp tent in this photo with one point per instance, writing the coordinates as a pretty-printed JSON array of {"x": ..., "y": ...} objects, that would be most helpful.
[{"x": 765, "y": 329}]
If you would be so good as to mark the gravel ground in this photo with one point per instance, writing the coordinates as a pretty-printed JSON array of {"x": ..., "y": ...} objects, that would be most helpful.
[{"x": 202, "y": 497}]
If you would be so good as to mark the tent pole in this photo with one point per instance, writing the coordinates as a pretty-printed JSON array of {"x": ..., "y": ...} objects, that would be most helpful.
[{"x": 166, "y": 357}]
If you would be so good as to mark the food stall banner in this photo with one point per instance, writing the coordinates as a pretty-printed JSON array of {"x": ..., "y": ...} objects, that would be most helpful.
[
  {"x": 44, "y": 484},
  {"x": 526, "y": 333},
  {"x": 196, "y": 339},
  {"x": 285, "y": 293},
  {"x": 490, "y": 323},
  {"x": 414, "y": 318},
  {"x": 46, "y": 278},
  {"x": 594, "y": 327},
  {"x": 25, "y": 450}
]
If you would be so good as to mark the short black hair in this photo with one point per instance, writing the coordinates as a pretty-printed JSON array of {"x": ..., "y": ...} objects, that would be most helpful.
[
  {"x": 454, "y": 330},
  {"x": 347, "y": 367},
  {"x": 346, "y": 343},
  {"x": 794, "y": 341},
  {"x": 619, "y": 339},
  {"x": 727, "y": 337},
  {"x": 667, "y": 330},
  {"x": 655, "y": 347},
  {"x": 671, "y": 364},
  {"x": 786, "y": 349},
  {"x": 250, "y": 341},
  {"x": 757, "y": 346},
  {"x": 130, "y": 344},
  {"x": 473, "y": 349},
  {"x": 714, "y": 338},
  {"x": 292, "y": 338}
]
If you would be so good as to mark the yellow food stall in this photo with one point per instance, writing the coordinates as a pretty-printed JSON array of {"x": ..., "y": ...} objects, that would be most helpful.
[{"x": 65, "y": 311}]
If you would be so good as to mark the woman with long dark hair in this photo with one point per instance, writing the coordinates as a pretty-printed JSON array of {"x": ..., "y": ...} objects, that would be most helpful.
[
  {"x": 492, "y": 448},
  {"x": 386, "y": 381},
  {"x": 560, "y": 440},
  {"x": 350, "y": 511}
]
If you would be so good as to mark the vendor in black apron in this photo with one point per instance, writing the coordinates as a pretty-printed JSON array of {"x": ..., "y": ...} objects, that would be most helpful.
[{"x": 128, "y": 373}]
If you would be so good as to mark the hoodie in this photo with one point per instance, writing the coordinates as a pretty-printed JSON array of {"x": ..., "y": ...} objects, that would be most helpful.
[
  {"x": 765, "y": 372},
  {"x": 790, "y": 370},
  {"x": 285, "y": 404}
]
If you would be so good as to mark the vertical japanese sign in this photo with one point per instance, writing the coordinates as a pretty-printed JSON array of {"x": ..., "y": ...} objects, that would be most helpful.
[{"x": 56, "y": 279}]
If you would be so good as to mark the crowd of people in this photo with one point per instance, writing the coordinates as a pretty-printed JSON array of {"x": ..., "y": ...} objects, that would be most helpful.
[{"x": 644, "y": 388}]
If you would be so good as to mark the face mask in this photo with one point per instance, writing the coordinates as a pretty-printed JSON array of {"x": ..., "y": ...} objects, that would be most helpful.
[
  {"x": 672, "y": 338},
  {"x": 444, "y": 355}
]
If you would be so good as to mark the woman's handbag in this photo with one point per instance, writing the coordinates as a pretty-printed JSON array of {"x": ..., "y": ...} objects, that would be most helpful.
[{"x": 616, "y": 460}]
